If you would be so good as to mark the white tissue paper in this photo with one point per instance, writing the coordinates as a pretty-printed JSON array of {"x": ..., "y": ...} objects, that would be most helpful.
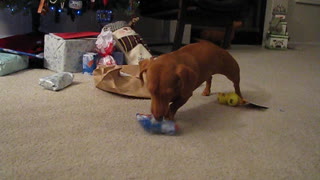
[
  {"x": 107, "y": 60},
  {"x": 105, "y": 46},
  {"x": 57, "y": 81},
  {"x": 105, "y": 41}
]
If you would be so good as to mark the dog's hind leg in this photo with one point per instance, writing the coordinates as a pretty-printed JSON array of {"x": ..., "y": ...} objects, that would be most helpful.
[
  {"x": 236, "y": 84},
  {"x": 207, "y": 89},
  {"x": 237, "y": 88}
]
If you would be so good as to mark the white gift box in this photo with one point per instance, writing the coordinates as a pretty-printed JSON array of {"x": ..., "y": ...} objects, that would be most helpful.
[{"x": 65, "y": 55}]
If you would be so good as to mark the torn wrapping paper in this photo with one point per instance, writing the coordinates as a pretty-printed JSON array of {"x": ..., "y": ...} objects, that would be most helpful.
[
  {"x": 65, "y": 55},
  {"x": 57, "y": 81}
]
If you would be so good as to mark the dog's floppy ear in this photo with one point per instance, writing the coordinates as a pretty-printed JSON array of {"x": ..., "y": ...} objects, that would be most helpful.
[
  {"x": 144, "y": 64},
  {"x": 188, "y": 80}
]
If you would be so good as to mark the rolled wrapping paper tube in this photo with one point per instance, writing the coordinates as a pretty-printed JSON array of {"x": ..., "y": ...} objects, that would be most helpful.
[{"x": 40, "y": 56}]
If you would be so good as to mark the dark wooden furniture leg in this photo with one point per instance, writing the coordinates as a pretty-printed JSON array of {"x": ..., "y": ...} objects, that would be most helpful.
[
  {"x": 180, "y": 24},
  {"x": 227, "y": 36}
]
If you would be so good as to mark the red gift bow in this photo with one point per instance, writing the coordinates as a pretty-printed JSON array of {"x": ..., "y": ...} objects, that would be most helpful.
[{"x": 108, "y": 50}]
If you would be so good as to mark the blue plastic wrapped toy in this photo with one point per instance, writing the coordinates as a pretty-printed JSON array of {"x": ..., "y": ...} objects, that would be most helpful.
[{"x": 151, "y": 125}]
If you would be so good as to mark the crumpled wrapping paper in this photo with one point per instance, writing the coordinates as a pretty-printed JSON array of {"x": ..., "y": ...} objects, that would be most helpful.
[
  {"x": 57, "y": 81},
  {"x": 105, "y": 46}
]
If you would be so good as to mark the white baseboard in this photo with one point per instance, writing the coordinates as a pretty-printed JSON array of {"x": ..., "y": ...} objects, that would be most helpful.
[
  {"x": 294, "y": 44},
  {"x": 305, "y": 43}
]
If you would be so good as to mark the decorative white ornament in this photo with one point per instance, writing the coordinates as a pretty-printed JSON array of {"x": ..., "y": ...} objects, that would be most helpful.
[
  {"x": 75, "y": 4},
  {"x": 53, "y": 1},
  {"x": 62, "y": 5}
]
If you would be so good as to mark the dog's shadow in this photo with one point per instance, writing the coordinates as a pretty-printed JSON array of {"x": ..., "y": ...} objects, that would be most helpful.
[{"x": 208, "y": 115}]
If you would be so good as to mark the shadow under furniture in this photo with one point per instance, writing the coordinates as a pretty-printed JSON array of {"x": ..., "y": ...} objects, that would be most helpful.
[{"x": 199, "y": 13}]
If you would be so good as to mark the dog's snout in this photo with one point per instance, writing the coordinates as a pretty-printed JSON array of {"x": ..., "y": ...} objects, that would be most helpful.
[
  {"x": 159, "y": 110},
  {"x": 158, "y": 116}
]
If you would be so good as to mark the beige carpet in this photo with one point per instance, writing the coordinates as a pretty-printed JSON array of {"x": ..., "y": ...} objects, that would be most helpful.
[{"x": 84, "y": 133}]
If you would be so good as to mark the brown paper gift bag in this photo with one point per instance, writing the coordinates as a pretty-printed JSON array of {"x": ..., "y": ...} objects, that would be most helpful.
[{"x": 122, "y": 80}]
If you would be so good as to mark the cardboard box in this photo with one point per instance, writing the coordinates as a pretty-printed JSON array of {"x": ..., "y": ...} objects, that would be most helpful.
[{"x": 65, "y": 55}]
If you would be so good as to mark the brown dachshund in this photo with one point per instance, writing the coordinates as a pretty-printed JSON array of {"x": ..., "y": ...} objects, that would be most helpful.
[{"x": 171, "y": 78}]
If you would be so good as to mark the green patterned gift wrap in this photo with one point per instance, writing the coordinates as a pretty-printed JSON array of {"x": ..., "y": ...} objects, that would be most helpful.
[{"x": 10, "y": 63}]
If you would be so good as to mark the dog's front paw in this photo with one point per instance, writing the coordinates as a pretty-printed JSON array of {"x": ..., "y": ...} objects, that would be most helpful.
[
  {"x": 205, "y": 93},
  {"x": 170, "y": 116}
]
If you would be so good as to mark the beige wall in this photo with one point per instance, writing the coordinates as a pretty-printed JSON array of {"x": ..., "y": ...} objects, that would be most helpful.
[{"x": 303, "y": 21}]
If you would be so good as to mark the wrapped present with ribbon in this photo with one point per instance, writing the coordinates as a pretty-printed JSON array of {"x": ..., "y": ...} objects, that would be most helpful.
[{"x": 63, "y": 52}]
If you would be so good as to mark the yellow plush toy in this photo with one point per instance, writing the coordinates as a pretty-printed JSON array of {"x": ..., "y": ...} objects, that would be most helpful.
[{"x": 231, "y": 99}]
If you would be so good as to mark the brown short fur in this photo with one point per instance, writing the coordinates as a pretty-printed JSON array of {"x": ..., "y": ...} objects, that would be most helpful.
[{"x": 172, "y": 77}]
